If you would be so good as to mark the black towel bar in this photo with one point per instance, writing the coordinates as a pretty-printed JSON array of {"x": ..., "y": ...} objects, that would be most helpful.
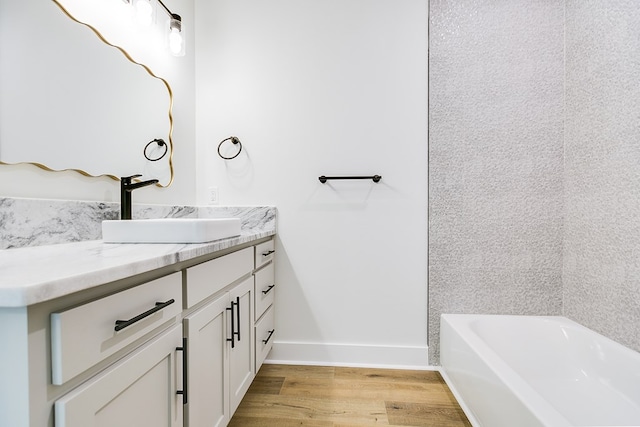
[{"x": 375, "y": 178}]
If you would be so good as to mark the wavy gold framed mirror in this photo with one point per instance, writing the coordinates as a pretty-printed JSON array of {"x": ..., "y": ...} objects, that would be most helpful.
[{"x": 71, "y": 100}]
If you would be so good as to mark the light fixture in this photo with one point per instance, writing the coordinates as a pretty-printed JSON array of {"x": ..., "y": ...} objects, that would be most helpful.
[
  {"x": 144, "y": 14},
  {"x": 175, "y": 38}
]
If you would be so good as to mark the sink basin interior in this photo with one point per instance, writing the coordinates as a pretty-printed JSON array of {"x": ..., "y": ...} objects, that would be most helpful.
[{"x": 169, "y": 230}]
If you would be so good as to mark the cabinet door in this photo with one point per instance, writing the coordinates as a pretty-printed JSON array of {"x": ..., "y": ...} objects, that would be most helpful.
[
  {"x": 139, "y": 391},
  {"x": 241, "y": 353},
  {"x": 206, "y": 331}
]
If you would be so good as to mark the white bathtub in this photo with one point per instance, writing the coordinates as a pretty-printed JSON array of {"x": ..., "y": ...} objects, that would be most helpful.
[{"x": 521, "y": 371}]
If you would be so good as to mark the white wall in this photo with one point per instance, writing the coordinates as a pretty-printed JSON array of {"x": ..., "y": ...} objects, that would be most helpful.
[
  {"x": 328, "y": 87},
  {"x": 30, "y": 181}
]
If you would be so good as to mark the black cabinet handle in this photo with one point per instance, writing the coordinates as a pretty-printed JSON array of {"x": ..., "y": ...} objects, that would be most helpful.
[
  {"x": 268, "y": 253},
  {"x": 266, "y": 291},
  {"x": 183, "y": 392},
  {"x": 233, "y": 334},
  {"x": 238, "y": 314},
  {"x": 121, "y": 324},
  {"x": 269, "y": 337}
]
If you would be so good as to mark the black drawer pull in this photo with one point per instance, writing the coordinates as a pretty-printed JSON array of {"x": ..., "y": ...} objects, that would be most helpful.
[
  {"x": 269, "y": 337},
  {"x": 266, "y": 291},
  {"x": 268, "y": 253},
  {"x": 121, "y": 324}
]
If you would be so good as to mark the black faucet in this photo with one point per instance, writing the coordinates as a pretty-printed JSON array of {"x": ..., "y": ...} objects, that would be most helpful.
[{"x": 126, "y": 187}]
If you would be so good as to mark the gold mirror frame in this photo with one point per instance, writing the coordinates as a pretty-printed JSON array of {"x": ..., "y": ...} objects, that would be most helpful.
[{"x": 151, "y": 73}]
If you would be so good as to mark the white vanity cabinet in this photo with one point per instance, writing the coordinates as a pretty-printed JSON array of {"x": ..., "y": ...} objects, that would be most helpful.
[{"x": 173, "y": 346}]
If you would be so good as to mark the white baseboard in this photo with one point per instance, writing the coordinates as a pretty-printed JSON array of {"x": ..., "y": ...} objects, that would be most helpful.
[{"x": 353, "y": 355}]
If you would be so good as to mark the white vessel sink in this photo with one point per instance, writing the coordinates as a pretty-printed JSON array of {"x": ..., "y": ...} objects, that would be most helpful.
[{"x": 169, "y": 230}]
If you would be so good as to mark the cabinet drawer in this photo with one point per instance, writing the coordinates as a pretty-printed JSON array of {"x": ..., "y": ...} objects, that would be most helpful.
[
  {"x": 264, "y": 253},
  {"x": 210, "y": 277},
  {"x": 265, "y": 333},
  {"x": 265, "y": 289},
  {"x": 85, "y": 335}
]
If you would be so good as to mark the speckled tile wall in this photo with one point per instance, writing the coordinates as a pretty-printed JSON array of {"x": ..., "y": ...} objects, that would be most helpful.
[
  {"x": 602, "y": 168},
  {"x": 496, "y": 158}
]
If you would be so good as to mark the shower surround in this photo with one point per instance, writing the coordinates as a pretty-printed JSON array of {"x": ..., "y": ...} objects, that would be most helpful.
[{"x": 534, "y": 162}]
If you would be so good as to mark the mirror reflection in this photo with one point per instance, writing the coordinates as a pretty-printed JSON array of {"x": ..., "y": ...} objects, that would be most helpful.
[{"x": 70, "y": 101}]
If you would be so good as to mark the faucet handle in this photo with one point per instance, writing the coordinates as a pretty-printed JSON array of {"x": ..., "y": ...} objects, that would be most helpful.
[{"x": 127, "y": 179}]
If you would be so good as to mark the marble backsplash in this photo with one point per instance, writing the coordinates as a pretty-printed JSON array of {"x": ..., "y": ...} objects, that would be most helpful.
[{"x": 37, "y": 222}]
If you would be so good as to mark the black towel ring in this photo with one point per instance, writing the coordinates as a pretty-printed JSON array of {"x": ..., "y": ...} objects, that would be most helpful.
[
  {"x": 160, "y": 143},
  {"x": 236, "y": 141}
]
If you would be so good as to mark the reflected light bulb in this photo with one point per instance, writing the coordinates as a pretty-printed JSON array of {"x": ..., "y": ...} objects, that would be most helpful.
[{"x": 176, "y": 39}]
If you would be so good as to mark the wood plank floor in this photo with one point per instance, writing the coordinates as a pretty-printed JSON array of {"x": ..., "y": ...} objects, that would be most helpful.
[{"x": 316, "y": 396}]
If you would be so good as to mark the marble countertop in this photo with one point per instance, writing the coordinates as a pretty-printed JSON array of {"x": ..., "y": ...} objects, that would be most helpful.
[{"x": 36, "y": 274}]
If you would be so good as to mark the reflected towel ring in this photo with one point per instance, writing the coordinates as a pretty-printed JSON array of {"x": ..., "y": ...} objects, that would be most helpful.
[
  {"x": 160, "y": 143},
  {"x": 233, "y": 139}
]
